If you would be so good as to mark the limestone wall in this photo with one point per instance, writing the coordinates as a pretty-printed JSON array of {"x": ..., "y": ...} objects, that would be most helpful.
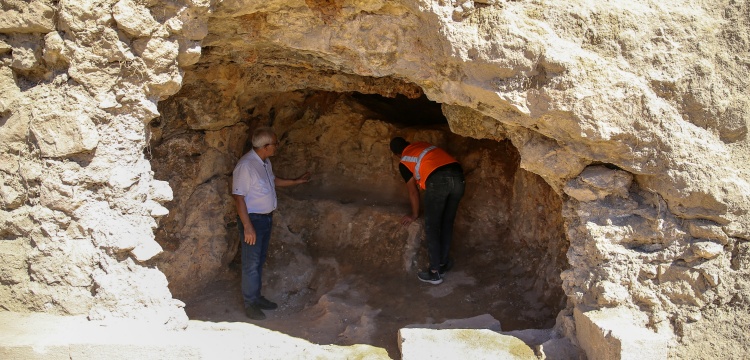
[
  {"x": 80, "y": 79},
  {"x": 635, "y": 112}
]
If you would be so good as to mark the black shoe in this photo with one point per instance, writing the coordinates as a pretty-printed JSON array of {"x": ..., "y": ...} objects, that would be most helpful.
[
  {"x": 254, "y": 312},
  {"x": 430, "y": 277},
  {"x": 444, "y": 268},
  {"x": 265, "y": 304}
]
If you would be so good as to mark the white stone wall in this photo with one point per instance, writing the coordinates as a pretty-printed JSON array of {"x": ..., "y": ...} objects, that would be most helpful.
[{"x": 80, "y": 79}]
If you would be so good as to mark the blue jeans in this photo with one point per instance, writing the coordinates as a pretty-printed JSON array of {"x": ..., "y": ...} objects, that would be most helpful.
[
  {"x": 444, "y": 190},
  {"x": 254, "y": 256}
]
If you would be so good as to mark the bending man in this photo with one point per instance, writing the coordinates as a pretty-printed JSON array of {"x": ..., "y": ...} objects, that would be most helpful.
[{"x": 427, "y": 167}]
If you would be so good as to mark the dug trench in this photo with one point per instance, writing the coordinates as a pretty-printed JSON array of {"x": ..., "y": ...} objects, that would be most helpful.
[{"x": 340, "y": 265}]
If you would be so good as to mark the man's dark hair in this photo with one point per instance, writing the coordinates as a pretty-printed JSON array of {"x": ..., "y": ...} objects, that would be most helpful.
[{"x": 398, "y": 144}]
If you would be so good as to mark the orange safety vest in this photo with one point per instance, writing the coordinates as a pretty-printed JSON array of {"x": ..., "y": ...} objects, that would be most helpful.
[{"x": 422, "y": 159}]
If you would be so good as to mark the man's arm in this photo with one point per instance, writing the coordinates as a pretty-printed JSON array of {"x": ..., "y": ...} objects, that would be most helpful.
[
  {"x": 411, "y": 185},
  {"x": 279, "y": 182},
  {"x": 239, "y": 202}
]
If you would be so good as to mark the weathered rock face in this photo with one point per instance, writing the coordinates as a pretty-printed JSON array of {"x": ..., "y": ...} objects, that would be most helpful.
[
  {"x": 635, "y": 114},
  {"x": 79, "y": 80}
]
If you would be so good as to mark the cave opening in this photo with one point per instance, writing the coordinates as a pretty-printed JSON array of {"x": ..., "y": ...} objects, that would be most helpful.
[
  {"x": 402, "y": 110},
  {"x": 340, "y": 265}
]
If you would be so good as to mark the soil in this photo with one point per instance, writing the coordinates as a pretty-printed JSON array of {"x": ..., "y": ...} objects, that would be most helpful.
[{"x": 360, "y": 307}]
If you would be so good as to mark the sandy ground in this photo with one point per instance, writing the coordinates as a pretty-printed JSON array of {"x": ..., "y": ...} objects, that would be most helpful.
[{"x": 362, "y": 308}]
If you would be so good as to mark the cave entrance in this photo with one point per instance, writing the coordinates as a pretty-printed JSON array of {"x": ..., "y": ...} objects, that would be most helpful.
[{"x": 340, "y": 265}]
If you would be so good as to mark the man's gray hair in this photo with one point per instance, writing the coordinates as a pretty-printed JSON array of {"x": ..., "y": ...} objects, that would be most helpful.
[{"x": 262, "y": 136}]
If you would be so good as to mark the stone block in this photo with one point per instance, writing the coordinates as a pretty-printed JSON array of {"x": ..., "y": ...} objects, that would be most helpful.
[
  {"x": 13, "y": 133},
  {"x": 578, "y": 192},
  {"x": 13, "y": 257},
  {"x": 560, "y": 349},
  {"x": 607, "y": 181},
  {"x": 485, "y": 321},
  {"x": 134, "y": 19},
  {"x": 193, "y": 26},
  {"x": 146, "y": 250},
  {"x": 460, "y": 344},
  {"x": 27, "y": 17},
  {"x": 46, "y": 336},
  {"x": 618, "y": 334},
  {"x": 5, "y": 47},
  {"x": 60, "y": 135},
  {"x": 190, "y": 52},
  {"x": 707, "y": 249},
  {"x": 63, "y": 262},
  {"x": 57, "y": 196},
  {"x": 9, "y": 88},
  {"x": 706, "y": 230},
  {"x": 55, "y": 50},
  {"x": 27, "y": 54},
  {"x": 598, "y": 182},
  {"x": 160, "y": 191}
]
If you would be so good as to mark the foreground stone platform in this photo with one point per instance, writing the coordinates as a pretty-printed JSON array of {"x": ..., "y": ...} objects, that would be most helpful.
[
  {"x": 50, "y": 337},
  {"x": 45, "y": 336}
]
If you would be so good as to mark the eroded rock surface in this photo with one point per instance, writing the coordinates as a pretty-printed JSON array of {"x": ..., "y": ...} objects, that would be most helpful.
[{"x": 80, "y": 202}]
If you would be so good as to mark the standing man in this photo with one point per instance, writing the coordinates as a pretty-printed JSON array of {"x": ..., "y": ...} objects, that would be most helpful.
[
  {"x": 442, "y": 179},
  {"x": 254, "y": 192}
]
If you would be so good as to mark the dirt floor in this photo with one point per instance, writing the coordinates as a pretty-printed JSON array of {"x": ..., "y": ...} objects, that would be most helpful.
[{"x": 358, "y": 307}]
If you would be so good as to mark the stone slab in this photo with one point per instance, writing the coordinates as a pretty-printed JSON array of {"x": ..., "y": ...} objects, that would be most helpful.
[
  {"x": 618, "y": 334},
  {"x": 485, "y": 321},
  {"x": 44, "y": 336},
  {"x": 474, "y": 344}
]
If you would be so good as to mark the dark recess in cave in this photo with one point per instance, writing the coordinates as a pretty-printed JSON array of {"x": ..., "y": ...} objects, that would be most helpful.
[{"x": 402, "y": 110}]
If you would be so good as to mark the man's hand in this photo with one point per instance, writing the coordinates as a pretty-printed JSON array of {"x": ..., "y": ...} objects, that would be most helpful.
[
  {"x": 303, "y": 178},
  {"x": 411, "y": 186},
  {"x": 289, "y": 182},
  {"x": 408, "y": 219},
  {"x": 250, "y": 235},
  {"x": 249, "y": 230}
]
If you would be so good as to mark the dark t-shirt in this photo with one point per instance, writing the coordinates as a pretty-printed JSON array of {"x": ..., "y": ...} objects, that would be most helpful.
[{"x": 407, "y": 174}]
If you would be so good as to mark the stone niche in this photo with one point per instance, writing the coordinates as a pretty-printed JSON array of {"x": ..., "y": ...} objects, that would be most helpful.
[{"x": 342, "y": 228}]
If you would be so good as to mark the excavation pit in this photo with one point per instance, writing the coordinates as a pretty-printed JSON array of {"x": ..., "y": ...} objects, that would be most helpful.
[{"x": 341, "y": 266}]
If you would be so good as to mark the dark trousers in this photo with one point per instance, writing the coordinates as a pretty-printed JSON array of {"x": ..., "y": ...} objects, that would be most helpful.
[
  {"x": 444, "y": 190},
  {"x": 254, "y": 256}
]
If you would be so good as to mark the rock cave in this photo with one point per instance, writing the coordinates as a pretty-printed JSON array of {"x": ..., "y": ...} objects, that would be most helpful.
[
  {"x": 341, "y": 251},
  {"x": 605, "y": 148}
]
